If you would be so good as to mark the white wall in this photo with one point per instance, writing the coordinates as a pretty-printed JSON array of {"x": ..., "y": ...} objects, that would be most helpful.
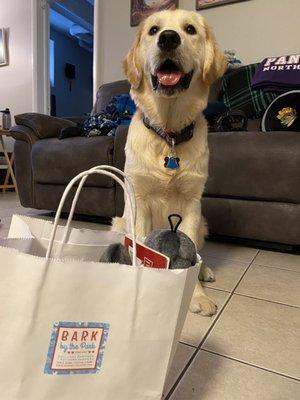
[
  {"x": 114, "y": 38},
  {"x": 16, "y": 79},
  {"x": 254, "y": 28}
]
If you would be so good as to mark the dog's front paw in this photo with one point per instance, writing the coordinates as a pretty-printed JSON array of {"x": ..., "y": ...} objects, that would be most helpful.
[
  {"x": 206, "y": 274},
  {"x": 203, "y": 305}
]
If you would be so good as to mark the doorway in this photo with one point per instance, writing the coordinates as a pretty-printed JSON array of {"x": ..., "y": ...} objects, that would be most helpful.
[{"x": 71, "y": 57}]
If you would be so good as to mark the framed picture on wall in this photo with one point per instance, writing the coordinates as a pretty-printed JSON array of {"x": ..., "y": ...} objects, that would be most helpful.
[
  {"x": 141, "y": 9},
  {"x": 3, "y": 48},
  {"x": 202, "y": 4}
]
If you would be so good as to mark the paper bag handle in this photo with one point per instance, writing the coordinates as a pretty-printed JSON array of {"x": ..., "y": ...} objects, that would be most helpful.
[
  {"x": 82, "y": 182},
  {"x": 129, "y": 196}
]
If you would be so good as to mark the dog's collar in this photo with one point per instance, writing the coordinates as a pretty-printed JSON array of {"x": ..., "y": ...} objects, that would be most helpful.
[{"x": 172, "y": 138}]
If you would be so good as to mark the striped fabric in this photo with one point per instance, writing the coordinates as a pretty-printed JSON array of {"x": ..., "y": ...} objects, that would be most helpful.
[{"x": 238, "y": 95}]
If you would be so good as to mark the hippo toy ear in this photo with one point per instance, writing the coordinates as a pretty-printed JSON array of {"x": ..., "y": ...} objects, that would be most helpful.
[{"x": 116, "y": 253}]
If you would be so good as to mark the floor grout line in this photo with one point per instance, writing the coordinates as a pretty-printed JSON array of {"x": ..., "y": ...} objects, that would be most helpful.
[
  {"x": 258, "y": 251},
  {"x": 281, "y": 268},
  {"x": 187, "y": 344},
  {"x": 252, "y": 365},
  {"x": 222, "y": 258},
  {"x": 226, "y": 259},
  {"x": 198, "y": 349},
  {"x": 267, "y": 301},
  {"x": 211, "y": 255},
  {"x": 214, "y": 288}
]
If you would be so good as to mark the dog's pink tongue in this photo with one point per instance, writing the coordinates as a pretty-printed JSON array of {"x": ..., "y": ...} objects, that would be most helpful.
[{"x": 169, "y": 78}]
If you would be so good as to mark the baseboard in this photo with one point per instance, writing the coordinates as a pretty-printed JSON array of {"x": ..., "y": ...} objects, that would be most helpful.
[{"x": 259, "y": 244}]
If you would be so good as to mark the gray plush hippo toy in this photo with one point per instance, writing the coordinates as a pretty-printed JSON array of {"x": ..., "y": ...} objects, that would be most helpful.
[{"x": 171, "y": 242}]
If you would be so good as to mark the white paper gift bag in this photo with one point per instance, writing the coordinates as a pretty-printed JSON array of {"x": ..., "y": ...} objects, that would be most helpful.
[{"x": 73, "y": 329}]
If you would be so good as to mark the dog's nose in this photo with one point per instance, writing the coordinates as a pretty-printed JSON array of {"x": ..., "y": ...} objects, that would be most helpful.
[{"x": 168, "y": 40}]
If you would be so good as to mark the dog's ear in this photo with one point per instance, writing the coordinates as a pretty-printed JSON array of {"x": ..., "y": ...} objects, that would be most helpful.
[
  {"x": 131, "y": 64},
  {"x": 215, "y": 63}
]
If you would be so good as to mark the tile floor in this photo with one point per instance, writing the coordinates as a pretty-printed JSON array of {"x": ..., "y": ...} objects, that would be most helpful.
[{"x": 251, "y": 349}]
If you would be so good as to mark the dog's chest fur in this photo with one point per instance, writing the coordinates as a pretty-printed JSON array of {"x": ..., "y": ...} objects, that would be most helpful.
[{"x": 145, "y": 153}]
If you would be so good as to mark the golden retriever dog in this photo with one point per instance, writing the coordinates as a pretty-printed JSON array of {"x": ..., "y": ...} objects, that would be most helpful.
[{"x": 170, "y": 67}]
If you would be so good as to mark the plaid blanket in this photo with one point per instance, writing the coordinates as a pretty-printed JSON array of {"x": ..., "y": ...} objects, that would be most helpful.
[{"x": 238, "y": 95}]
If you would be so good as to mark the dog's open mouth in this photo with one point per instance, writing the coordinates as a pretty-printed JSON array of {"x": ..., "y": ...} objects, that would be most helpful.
[{"x": 169, "y": 77}]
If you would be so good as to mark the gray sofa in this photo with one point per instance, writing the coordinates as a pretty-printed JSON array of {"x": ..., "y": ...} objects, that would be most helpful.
[{"x": 253, "y": 190}]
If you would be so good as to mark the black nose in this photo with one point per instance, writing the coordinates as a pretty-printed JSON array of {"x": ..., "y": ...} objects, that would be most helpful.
[{"x": 169, "y": 40}]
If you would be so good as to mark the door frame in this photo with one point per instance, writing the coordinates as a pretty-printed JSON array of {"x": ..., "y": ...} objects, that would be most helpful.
[
  {"x": 97, "y": 51},
  {"x": 40, "y": 54}
]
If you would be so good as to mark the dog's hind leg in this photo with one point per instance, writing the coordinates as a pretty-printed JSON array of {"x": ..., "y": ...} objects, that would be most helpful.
[
  {"x": 201, "y": 303},
  {"x": 205, "y": 274},
  {"x": 202, "y": 232}
]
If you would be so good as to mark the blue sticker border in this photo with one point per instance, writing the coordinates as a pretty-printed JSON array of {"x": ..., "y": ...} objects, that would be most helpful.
[{"x": 53, "y": 339}]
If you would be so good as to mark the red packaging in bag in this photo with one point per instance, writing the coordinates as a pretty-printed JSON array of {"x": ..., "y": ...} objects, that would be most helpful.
[{"x": 146, "y": 256}]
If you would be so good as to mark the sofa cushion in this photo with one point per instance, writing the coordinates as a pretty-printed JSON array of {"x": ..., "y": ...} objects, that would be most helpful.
[
  {"x": 254, "y": 166},
  {"x": 57, "y": 161},
  {"x": 256, "y": 220},
  {"x": 44, "y": 126}
]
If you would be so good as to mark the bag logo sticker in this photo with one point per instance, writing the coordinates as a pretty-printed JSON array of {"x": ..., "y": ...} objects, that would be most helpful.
[{"x": 76, "y": 348}]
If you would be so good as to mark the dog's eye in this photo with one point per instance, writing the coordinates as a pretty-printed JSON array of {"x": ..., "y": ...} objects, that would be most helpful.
[
  {"x": 191, "y": 30},
  {"x": 153, "y": 30}
]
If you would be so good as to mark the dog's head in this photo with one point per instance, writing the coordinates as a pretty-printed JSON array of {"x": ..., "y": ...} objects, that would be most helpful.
[{"x": 172, "y": 51}]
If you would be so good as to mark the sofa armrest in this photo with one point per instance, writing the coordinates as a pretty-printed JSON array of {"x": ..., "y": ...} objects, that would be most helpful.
[
  {"x": 24, "y": 134},
  {"x": 119, "y": 162},
  {"x": 43, "y": 126}
]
